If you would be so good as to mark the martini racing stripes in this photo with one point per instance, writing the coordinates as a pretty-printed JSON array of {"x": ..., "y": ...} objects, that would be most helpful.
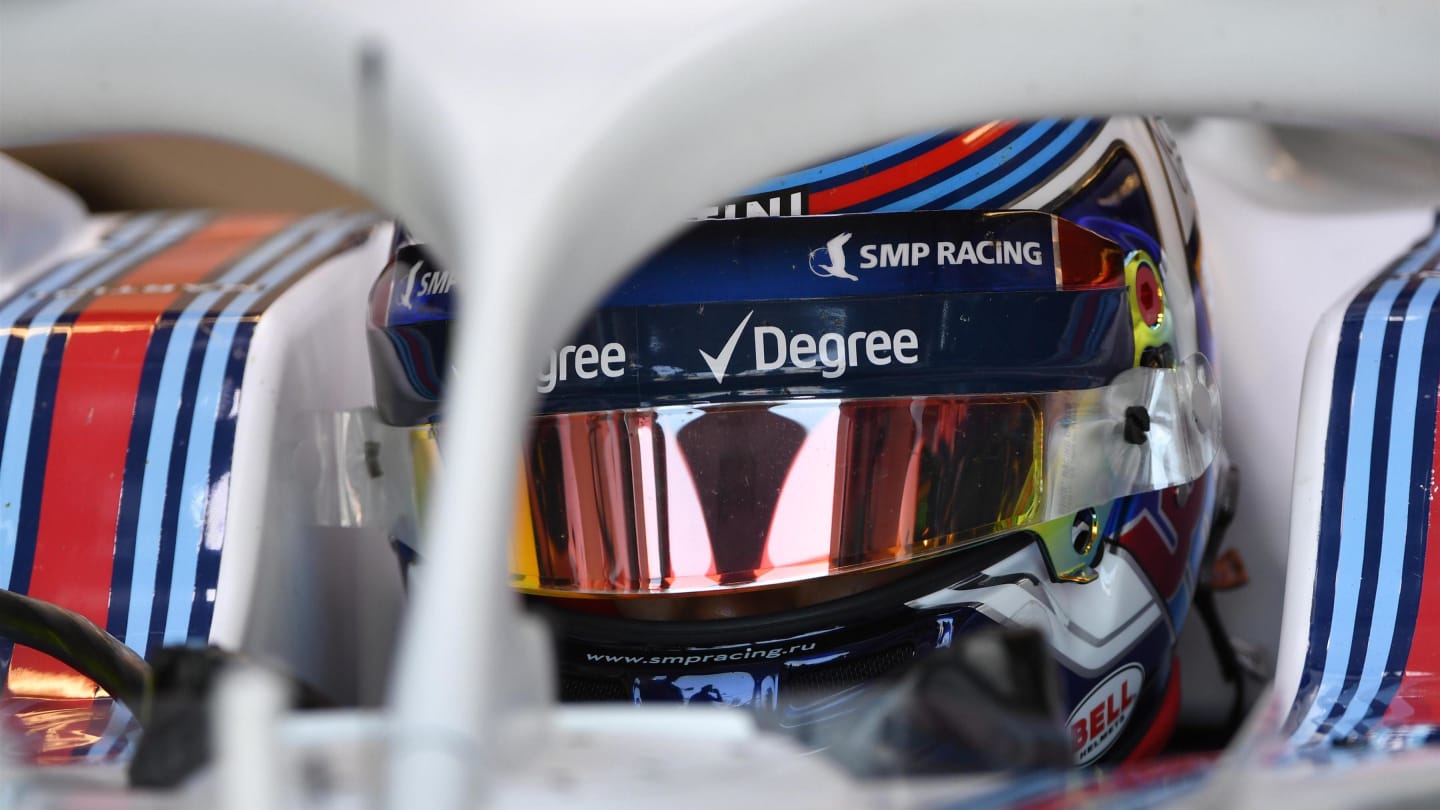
[
  {"x": 15, "y": 428},
  {"x": 36, "y": 328},
  {"x": 1377, "y": 531},
  {"x": 102, "y": 366},
  {"x": 142, "y": 509},
  {"x": 995, "y": 181},
  {"x": 991, "y": 166},
  {"x": 197, "y": 564},
  {"x": 65, "y": 573},
  {"x": 120, "y": 420},
  {"x": 156, "y": 535},
  {"x": 911, "y": 171},
  {"x": 860, "y": 165}
]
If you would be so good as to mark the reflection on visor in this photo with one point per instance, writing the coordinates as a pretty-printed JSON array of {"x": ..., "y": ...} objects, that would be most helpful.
[{"x": 685, "y": 499}]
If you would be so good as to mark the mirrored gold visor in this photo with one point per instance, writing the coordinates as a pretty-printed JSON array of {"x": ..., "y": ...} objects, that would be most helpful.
[{"x": 701, "y": 498}]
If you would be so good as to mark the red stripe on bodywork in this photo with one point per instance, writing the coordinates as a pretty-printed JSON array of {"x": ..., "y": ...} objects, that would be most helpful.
[
  {"x": 1417, "y": 700},
  {"x": 903, "y": 174},
  {"x": 90, "y": 432}
]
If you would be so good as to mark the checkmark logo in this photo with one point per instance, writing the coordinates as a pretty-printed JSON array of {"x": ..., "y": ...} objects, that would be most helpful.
[{"x": 719, "y": 363}]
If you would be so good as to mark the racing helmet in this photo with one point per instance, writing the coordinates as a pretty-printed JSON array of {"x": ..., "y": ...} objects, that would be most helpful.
[{"x": 956, "y": 381}]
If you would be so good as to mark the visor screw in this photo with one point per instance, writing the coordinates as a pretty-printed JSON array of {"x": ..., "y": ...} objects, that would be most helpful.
[{"x": 1137, "y": 424}]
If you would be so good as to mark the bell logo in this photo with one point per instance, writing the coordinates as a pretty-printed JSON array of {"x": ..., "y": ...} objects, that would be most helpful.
[{"x": 1099, "y": 719}]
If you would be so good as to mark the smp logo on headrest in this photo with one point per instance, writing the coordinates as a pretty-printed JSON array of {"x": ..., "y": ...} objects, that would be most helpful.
[
  {"x": 829, "y": 261},
  {"x": 431, "y": 282}
]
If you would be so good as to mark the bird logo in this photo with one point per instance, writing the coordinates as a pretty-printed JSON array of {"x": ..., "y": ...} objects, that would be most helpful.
[
  {"x": 829, "y": 261},
  {"x": 410, "y": 284}
]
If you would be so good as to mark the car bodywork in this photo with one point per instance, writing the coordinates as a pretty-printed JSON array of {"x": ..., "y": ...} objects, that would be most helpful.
[
  {"x": 1306, "y": 587},
  {"x": 187, "y": 459}
]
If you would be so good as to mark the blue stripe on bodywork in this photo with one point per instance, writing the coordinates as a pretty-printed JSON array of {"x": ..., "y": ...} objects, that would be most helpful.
[
  {"x": 1412, "y": 576},
  {"x": 143, "y": 494},
  {"x": 207, "y": 567},
  {"x": 174, "y": 469},
  {"x": 200, "y": 436},
  {"x": 1365, "y": 580},
  {"x": 122, "y": 567},
  {"x": 34, "y": 452},
  {"x": 1333, "y": 479},
  {"x": 1395, "y": 517},
  {"x": 1335, "y": 637},
  {"x": 1354, "y": 502},
  {"x": 168, "y": 389}
]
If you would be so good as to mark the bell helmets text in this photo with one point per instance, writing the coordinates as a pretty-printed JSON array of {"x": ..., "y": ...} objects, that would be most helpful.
[{"x": 1097, "y": 721}]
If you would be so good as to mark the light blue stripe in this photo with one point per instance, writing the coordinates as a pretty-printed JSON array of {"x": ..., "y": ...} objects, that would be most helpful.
[
  {"x": 1026, "y": 171},
  {"x": 61, "y": 276},
  {"x": 1396, "y": 507},
  {"x": 841, "y": 166},
  {"x": 22, "y": 402},
  {"x": 162, "y": 431},
  {"x": 919, "y": 199},
  {"x": 194, "y": 490},
  {"x": 1354, "y": 504}
]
